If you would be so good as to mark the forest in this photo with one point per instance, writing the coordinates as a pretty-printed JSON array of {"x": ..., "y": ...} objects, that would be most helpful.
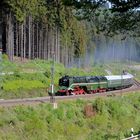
[{"x": 78, "y": 32}]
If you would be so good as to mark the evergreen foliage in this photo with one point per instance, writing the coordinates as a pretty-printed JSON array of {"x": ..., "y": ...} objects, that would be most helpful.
[
  {"x": 37, "y": 28},
  {"x": 24, "y": 8}
]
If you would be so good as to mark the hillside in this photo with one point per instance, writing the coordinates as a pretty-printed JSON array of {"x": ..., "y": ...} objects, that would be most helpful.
[
  {"x": 108, "y": 118},
  {"x": 101, "y": 119},
  {"x": 32, "y": 78}
]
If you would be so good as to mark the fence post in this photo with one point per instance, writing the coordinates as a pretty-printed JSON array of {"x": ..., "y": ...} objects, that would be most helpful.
[{"x": 132, "y": 132}]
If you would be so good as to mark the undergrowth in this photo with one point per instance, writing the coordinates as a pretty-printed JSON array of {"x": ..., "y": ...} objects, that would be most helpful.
[{"x": 112, "y": 119}]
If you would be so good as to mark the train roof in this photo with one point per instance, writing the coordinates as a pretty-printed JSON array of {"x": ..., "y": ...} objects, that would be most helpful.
[
  {"x": 117, "y": 77},
  {"x": 102, "y": 78}
]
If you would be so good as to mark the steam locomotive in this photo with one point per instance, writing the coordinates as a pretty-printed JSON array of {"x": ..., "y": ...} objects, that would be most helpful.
[{"x": 75, "y": 85}]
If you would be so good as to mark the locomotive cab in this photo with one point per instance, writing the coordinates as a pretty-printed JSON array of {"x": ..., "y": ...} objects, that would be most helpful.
[{"x": 64, "y": 81}]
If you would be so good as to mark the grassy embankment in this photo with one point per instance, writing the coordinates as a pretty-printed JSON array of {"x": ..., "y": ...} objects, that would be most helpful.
[{"x": 101, "y": 119}]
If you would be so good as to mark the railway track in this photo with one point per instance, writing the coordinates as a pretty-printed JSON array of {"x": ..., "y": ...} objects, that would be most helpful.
[
  {"x": 137, "y": 83},
  {"x": 38, "y": 100}
]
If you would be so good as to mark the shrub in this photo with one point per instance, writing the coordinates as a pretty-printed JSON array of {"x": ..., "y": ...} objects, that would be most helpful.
[
  {"x": 5, "y": 57},
  {"x": 99, "y": 105}
]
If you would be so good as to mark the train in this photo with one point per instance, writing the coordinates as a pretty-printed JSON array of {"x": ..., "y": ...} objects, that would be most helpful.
[{"x": 75, "y": 85}]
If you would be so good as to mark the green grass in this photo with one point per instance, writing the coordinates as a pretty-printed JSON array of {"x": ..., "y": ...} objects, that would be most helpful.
[
  {"x": 114, "y": 118},
  {"x": 22, "y": 84}
]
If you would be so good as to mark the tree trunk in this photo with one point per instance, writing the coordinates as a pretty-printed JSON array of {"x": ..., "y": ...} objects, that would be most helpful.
[
  {"x": 9, "y": 36},
  {"x": 29, "y": 37},
  {"x": 24, "y": 43},
  {"x": 21, "y": 42}
]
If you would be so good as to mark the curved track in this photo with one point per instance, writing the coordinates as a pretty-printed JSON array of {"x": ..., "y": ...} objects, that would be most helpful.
[{"x": 32, "y": 101}]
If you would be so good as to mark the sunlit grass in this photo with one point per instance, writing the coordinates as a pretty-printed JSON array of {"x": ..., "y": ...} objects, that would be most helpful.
[{"x": 113, "y": 119}]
